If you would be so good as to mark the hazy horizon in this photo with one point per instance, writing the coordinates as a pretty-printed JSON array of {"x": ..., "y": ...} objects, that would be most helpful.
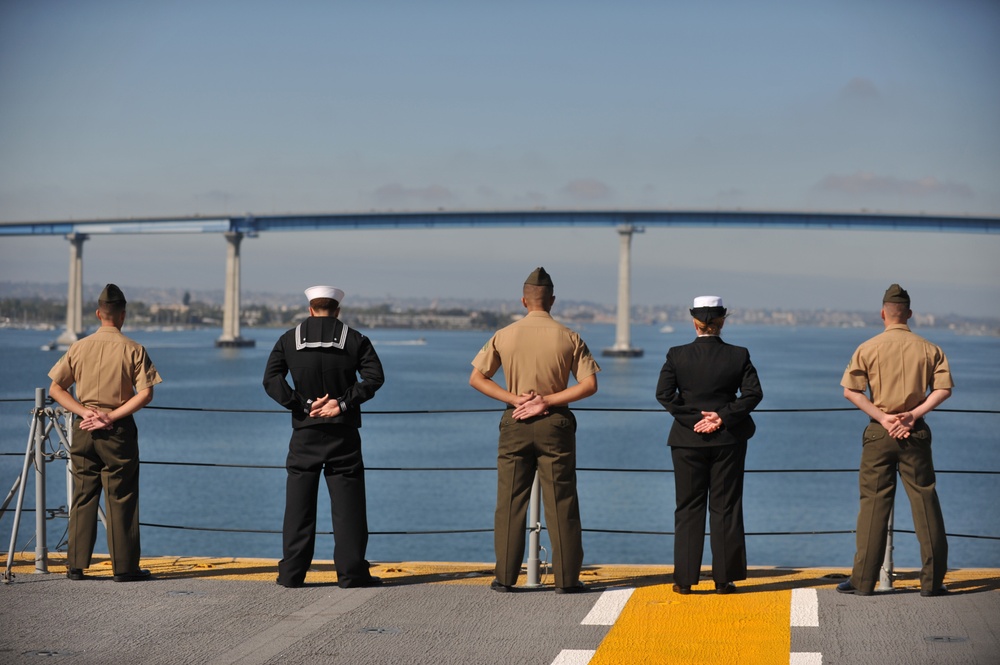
[{"x": 115, "y": 109}]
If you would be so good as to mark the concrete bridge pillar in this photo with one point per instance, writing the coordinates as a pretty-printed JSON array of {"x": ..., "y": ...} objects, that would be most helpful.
[
  {"x": 231, "y": 300},
  {"x": 623, "y": 333},
  {"x": 74, "y": 296}
]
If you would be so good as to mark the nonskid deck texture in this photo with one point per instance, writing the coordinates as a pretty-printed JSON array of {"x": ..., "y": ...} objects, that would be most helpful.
[{"x": 228, "y": 610}]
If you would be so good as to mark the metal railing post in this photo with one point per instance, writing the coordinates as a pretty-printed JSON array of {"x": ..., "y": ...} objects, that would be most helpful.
[
  {"x": 41, "y": 544},
  {"x": 19, "y": 486},
  {"x": 885, "y": 574},
  {"x": 68, "y": 420},
  {"x": 534, "y": 534}
]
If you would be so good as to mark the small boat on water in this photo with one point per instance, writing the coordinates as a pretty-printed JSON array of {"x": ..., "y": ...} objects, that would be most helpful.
[{"x": 420, "y": 341}]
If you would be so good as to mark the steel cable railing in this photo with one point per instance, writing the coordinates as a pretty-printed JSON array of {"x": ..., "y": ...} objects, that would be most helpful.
[
  {"x": 487, "y": 469},
  {"x": 484, "y": 468},
  {"x": 26, "y": 400},
  {"x": 59, "y": 452}
]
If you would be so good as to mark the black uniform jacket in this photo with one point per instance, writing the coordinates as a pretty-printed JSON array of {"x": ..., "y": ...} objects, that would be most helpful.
[
  {"x": 706, "y": 375},
  {"x": 324, "y": 357}
]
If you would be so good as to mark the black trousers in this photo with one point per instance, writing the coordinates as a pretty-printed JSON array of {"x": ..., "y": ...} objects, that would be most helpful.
[
  {"x": 710, "y": 475},
  {"x": 333, "y": 452}
]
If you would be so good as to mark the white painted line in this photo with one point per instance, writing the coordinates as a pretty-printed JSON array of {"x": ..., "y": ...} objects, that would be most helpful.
[
  {"x": 805, "y": 607},
  {"x": 805, "y": 613},
  {"x": 573, "y": 657},
  {"x": 607, "y": 608}
]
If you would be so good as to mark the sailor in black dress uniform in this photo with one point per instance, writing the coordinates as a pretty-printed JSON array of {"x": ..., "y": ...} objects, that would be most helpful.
[{"x": 334, "y": 369}]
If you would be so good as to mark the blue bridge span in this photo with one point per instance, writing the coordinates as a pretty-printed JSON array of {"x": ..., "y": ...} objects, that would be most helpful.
[
  {"x": 250, "y": 225},
  {"x": 626, "y": 222}
]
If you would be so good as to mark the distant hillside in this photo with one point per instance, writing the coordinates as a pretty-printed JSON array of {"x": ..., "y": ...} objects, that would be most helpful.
[
  {"x": 167, "y": 296},
  {"x": 57, "y": 291},
  {"x": 419, "y": 312}
]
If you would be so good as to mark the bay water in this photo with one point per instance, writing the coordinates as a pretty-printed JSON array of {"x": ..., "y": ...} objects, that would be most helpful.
[{"x": 211, "y": 410}]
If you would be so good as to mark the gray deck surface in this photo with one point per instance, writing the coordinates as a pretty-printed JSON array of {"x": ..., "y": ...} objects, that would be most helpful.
[{"x": 175, "y": 620}]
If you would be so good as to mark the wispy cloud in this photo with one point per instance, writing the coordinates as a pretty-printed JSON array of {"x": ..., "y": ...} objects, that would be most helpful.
[
  {"x": 732, "y": 196},
  {"x": 859, "y": 88},
  {"x": 587, "y": 190},
  {"x": 215, "y": 199},
  {"x": 865, "y": 184},
  {"x": 395, "y": 194}
]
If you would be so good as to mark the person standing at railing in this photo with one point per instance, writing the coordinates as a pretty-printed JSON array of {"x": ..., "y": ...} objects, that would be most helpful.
[
  {"x": 537, "y": 432},
  {"x": 709, "y": 387},
  {"x": 908, "y": 377},
  {"x": 325, "y": 359},
  {"x": 114, "y": 378}
]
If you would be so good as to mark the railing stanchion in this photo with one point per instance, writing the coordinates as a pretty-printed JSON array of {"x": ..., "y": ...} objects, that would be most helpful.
[
  {"x": 885, "y": 575},
  {"x": 535, "y": 530},
  {"x": 41, "y": 544},
  {"x": 19, "y": 487}
]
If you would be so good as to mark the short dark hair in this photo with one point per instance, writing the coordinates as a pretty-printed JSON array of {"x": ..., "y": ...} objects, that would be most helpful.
[
  {"x": 539, "y": 295},
  {"x": 537, "y": 291},
  {"x": 896, "y": 309},
  {"x": 110, "y": 309},
  {"x": 326, "y": 305}
]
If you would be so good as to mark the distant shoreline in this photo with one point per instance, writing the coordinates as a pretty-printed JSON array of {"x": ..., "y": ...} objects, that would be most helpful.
[
  {"x": 424, "y": 321},
  {"x": 31, "y": 305}
]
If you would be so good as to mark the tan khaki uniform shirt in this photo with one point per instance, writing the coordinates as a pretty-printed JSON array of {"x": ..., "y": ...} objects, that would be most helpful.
[
  {"x": 537, "y": 353},
  {"x": 900, "y": 367},
  {"x": 107, "y": 367}
]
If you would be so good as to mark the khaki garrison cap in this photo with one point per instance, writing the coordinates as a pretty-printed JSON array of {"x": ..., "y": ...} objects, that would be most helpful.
[
  {"x": 539, "y": 278},
  {"x": 897, "y": 294},
  {"x": 111, "y": 295}
]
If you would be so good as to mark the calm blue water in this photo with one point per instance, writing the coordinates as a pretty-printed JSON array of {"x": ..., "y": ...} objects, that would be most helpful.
[{"x": 799, "y": 368}]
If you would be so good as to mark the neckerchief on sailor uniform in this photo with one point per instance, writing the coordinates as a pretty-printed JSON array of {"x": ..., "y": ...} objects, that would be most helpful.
[{"x": 320, "y": 332}]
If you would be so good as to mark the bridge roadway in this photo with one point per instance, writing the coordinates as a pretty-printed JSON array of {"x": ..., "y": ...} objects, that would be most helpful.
[
  {"x": 229, "y": 611},
  {"x": 627, "y": 222}
]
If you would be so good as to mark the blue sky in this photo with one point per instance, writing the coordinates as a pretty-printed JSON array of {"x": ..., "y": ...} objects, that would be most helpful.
[{"x": 118, "y": 109}]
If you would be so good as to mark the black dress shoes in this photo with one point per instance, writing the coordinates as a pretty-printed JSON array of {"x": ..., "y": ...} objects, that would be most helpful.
[
  {"x": 681, "y": 589},
  {"x": 725, "y": 587},
  {"x": 138, "y": 576},
  {"x": 940, "y": 591},
  {"x": 501, "y": 588},
  {"x": 76, "y": 574},
  {"x": 847, "y": 587},
  {"x": 361, "y": 584},
  {"x": 579, "y": 587},
  {"x": 287, "y": 584}
]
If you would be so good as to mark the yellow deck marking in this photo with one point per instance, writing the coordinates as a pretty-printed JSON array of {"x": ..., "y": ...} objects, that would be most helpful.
[
  {"x": 643, "y": 578},
  {"x": 659, "y": 626},
  {"x": 655, "y": 627}
]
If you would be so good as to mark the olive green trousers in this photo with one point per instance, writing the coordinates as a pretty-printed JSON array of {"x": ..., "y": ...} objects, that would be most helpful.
[
  {"x": 546, "y": 443},
  {"x": 881, "y": 458},
  {"x": 108, "y": 461}
]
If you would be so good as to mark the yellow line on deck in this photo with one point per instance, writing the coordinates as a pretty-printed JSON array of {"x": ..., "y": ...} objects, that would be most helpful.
[
  {"x": 656, "y": 626},
  {"x": 660, "y": 627},
  {"x": 615, "y": 576}
]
